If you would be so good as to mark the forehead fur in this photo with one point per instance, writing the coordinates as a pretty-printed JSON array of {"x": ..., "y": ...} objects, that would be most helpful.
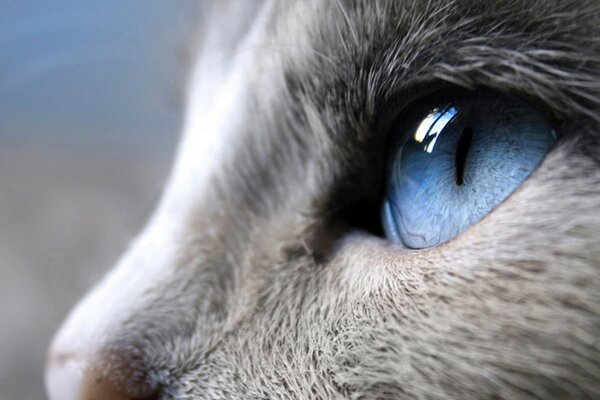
[
  {"x": 325, "y": 74},
  {"x": 270, "y": 295}
]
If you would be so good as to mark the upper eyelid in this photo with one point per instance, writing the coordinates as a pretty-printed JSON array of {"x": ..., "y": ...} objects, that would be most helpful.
[{"x": 390, "y": 113}]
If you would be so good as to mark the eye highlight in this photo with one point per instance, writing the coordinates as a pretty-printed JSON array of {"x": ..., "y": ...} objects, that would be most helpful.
[{"x": 454, "y": 159}]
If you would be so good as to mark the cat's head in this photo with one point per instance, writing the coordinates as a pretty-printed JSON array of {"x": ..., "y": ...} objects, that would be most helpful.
[{"x": 265, "y": 271}]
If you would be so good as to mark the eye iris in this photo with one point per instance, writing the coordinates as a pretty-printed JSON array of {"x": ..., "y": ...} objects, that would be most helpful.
[{"x": 456, "y": 161}]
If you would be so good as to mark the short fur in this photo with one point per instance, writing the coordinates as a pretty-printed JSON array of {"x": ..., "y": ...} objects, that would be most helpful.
[{"x": 249, "y": 282}]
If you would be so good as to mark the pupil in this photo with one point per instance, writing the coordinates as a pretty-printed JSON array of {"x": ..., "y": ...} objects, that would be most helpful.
[{"x": 462, "y": 150}]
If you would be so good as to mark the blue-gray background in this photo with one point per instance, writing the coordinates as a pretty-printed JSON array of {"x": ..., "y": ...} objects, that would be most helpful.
[{"x": 90, "y": 111}]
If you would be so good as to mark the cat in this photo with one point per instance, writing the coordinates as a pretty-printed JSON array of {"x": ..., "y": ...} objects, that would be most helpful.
[{"x": 263, "y": 273}]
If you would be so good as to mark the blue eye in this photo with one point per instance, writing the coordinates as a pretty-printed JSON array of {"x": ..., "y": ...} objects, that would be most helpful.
[{"x": 453, "y": 160}]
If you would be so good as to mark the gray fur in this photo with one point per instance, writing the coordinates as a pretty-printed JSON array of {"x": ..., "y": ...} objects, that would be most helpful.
[{"x": 270, "y": 295}]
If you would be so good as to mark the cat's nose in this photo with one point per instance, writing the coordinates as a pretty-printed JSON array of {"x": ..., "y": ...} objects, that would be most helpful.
[
  {"x": 103, "y": 349},
  {"x": 90, "y": 360},
  {"x": 64, "y": 376},
  {"x": 73, "y": 376}
]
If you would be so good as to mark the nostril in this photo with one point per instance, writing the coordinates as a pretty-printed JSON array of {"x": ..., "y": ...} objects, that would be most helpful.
[{"x": 72, "y": 376}]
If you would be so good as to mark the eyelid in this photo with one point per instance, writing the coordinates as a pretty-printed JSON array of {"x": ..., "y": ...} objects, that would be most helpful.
[{"x": 404, "y": 101}]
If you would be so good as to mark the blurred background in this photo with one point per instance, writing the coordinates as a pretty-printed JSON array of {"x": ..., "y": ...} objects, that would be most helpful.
[{"x": 90, "y": 110}]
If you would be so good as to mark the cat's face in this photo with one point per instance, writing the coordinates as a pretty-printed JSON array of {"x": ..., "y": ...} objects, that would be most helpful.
[{"x": 249, "y": 282}]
